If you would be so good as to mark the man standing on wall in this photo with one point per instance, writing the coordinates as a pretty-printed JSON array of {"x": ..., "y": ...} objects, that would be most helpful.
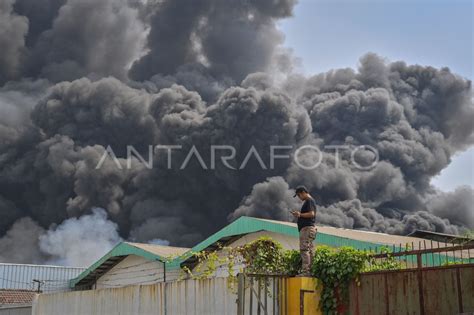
[{"x": 306, "y": 227}]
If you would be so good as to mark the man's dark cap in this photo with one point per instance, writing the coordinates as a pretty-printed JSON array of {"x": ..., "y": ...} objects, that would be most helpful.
[{"x": 300, "y": 189}]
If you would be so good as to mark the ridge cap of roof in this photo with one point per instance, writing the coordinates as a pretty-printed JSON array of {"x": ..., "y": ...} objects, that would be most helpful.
[{"x": 156, "y": 245}]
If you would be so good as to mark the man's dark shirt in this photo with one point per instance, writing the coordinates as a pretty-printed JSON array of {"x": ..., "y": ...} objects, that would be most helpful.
[{"x": 308, "y": 205}]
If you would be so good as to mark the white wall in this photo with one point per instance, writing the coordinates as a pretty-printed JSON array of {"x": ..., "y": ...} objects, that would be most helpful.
[{"x": 134, "y": 270}]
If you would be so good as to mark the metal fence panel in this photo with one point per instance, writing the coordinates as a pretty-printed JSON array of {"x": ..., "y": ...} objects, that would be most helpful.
[
  {"x": 262, "y": 294},
  {"x": 403, "y": 293},
  {"x": 443, "y": 290},
  {"x": 440, "y": 291},
  {"x": 466, "y": 277},
  {"x": 368, "y": 298}
]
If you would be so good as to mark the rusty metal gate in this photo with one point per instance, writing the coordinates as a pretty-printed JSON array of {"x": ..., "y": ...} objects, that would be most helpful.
[{"x": 261, "y": 294}]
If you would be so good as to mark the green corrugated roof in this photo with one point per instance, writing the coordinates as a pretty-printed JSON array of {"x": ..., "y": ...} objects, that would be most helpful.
[{"x": 246, "y": 225}]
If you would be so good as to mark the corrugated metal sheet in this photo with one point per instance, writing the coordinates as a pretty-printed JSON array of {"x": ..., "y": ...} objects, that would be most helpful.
[
  {"x": 210, "y": 296},
  {"x": 365, "y": 236},
  {"x": 20, "y": 276}
]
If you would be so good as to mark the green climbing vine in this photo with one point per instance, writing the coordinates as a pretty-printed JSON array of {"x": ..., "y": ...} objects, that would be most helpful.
[
  {"x": 336, "y": 268},
  {"x": 262, "y": 256}
]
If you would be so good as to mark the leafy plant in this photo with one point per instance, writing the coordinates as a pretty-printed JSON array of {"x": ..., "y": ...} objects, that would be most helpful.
[
  {"x": 263, "y": 256},
  {"x": 388, "y": 263},
  {"x": 336, "y": 268},
  {"x": 292, "y": 262}
]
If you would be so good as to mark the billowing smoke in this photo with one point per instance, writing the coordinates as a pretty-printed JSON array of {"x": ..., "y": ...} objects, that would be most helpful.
[
  {"x": 80, "y": 241},
  {"x": 90, "y": 88}
]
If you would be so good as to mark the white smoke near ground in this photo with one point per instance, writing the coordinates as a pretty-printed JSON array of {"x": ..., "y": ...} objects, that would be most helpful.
[
  {"x": 80, "y": 241},
  {"x": 78, "y": 77}
]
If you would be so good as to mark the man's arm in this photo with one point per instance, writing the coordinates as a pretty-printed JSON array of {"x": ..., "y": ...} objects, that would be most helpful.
[{"x": 307, "y": 215}]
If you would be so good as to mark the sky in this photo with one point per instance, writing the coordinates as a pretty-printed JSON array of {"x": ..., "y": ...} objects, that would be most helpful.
[{"x": 328, "y": 34}]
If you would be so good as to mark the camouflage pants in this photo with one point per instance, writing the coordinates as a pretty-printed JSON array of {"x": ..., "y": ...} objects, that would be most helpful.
[{"x": 307, "y": 236}]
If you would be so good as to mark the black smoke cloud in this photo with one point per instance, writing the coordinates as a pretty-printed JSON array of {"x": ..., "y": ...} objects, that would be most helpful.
[
  {"x": 80, "y": 78},
  {"x": 12, "y": 40},
  {"x": 233, "y": 38}
]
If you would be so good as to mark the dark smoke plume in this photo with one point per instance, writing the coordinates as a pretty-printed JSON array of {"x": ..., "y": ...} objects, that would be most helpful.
[{"x": 84, "y": 79}]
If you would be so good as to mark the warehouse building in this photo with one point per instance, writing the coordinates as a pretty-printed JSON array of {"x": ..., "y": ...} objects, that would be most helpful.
[{"x": 135, "y": 263}]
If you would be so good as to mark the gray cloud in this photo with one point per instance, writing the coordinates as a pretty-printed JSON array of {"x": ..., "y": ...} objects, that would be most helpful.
[
  {"x": 20, "y": 243},
  {"x": 232, "y": 38},
  {"x": 184, "y": 90},
  {"x": 457, "y": 206},
  {"x": 13, "y": 29}
]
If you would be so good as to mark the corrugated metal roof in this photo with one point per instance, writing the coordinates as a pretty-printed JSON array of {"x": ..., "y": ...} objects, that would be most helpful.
[
  {"x": 361, "y": 235},
  {"x": 53, "y": 278},
  {"x": 161, "y": 250},
  {"x": 331, "y": 236},
  {"x": 442, "y": 237}
]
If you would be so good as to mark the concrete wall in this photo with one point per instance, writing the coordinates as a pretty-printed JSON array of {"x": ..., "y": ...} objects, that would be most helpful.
[
  {"x": 135, "y": 270},
  {"x": 210, "y": 296}
]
